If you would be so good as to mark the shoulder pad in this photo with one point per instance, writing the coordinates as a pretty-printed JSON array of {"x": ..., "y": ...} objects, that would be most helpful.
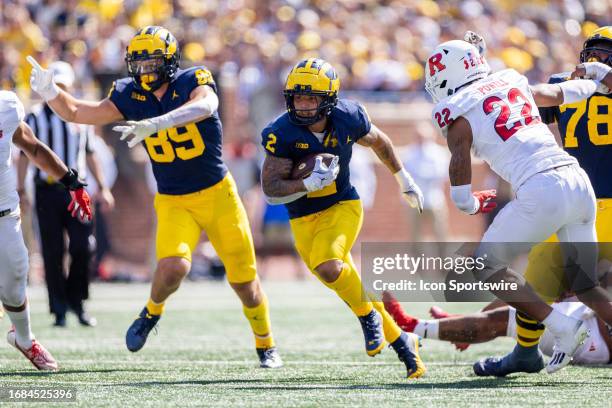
[{"x": 11, "y": 109}]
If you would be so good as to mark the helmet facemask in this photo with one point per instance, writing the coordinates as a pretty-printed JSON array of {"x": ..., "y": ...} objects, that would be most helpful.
[{"x": 323, "y": 109}]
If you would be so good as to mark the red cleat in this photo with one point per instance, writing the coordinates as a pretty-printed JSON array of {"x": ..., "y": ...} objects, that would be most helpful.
[
  {"x": 439, "y": 313},
  {"x": 37, "y": 354},
  {"x": 406, "y": 322}
]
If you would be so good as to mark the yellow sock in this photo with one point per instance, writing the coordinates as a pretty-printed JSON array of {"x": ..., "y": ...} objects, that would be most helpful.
[
  {"x": 528, "y": 331},
  {"x": 390, "y": 328},
  {"x": 259, "y": 319},
  {"x": 155, "y": 308},
  {"x": 348, "y": 287}
]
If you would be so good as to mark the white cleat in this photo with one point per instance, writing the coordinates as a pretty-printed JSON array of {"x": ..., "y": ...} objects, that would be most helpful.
[
  {"x": 566, "y": 346},
  {"x": 37, "y": 354}
]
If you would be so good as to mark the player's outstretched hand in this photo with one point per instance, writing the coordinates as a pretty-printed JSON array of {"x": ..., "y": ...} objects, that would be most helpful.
[
  {"x": 322, "y": 175},
  {"x": 411, "y": 192},
  {"x": 80, "y": 206},
  {"x": 596, "y": 71},
  {"x": 139, "y": 130},
  {"x": 477, "y": 41},
  {"x": 41, "y": 80},
  {"x": 484, "y": 198}
]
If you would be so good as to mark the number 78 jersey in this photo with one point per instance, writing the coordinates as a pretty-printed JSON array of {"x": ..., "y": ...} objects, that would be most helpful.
[{"x": 507, "y": 130}]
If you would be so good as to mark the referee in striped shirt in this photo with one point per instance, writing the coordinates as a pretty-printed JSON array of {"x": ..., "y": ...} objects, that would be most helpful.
[{"x": 72, "y": 144}]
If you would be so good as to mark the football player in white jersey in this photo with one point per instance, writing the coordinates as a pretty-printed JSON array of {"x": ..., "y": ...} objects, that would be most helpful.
[
  {"x": 13, "y": 252},
  {"x": 496, "y": 116},
  {"x": 497, "y": 320}
]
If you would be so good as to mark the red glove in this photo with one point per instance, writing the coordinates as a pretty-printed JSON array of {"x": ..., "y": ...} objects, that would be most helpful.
[
  {"x": 484, "y": 198},
  {"x": 80, "y": 205}
]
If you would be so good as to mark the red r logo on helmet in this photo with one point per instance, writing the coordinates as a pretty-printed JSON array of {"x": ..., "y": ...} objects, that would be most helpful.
[{"x": 434, "y": 61}]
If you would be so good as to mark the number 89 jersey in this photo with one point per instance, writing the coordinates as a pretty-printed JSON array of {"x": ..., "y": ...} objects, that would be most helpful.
[
  {"x": 586, "y": 132},
  {"x": 507, "y": 130},
  {"x": 185, "y": 159}
]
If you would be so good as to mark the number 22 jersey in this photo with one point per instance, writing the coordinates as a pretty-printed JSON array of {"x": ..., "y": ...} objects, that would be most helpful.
[
  {"x": 507, "y": 130},
  {"x": 185, "y": 159}
]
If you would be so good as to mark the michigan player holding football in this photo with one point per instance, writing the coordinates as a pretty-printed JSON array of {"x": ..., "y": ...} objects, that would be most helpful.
[
  {"x": 174, "y": 112},
  {"x": 585, "y": 132},
  {"x": 495, "y": 115},
  {"x": 324, "y": 208}
]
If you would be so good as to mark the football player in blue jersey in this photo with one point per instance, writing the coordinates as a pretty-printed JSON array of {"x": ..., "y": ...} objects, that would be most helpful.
[
  {"x": 173, "y": 112},
  {"x": 585, "y": 128},
  {"x": 324, "y": 208}
]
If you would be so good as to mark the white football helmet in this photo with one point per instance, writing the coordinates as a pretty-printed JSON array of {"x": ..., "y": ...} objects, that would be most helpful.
[{"x": 450, "y": 66}]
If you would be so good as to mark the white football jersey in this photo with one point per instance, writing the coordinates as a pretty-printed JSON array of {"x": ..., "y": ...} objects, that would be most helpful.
[
  {"x": 506, "y": 127},
  {"x": 11, "y": 114}
]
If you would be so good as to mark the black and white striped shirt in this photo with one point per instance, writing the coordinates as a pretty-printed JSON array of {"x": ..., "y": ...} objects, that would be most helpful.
[{"x": 71, "y": 142}]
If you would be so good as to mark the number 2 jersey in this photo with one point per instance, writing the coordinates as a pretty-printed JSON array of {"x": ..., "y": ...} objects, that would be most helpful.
[
  {"x": 185, "y": 159},
  {"x": 11, "y": 114},
  {"x": 507, "y": 130},
  {"x": 585, "y": 129}
]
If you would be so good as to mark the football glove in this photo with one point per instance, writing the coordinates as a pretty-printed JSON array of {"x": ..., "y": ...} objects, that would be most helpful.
[
  {"x": 322, "y": 175},
  {"x": 477, "y": 41},
  {"x": 80, "y": 205},
  {"x": 41, "y": 81},
  {"x": 140, "y": 130},
  {"x": 596, "y": 71},
  {"x": 484, "y": 198},
  {"x": 410, "y": 190}
]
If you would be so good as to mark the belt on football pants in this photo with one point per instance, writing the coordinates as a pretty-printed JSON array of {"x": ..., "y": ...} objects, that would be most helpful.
[{"x": 5, "y": 212}]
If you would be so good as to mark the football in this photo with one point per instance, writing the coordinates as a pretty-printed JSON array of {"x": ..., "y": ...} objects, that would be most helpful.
[{"x": 303, "y": 167}]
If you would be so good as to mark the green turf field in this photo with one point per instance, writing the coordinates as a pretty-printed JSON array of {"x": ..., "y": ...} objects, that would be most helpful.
[{"x": 203, "y": 355}]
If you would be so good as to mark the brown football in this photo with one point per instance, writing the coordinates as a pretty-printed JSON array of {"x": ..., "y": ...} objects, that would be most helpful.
[{"x": 303, "y": 167}]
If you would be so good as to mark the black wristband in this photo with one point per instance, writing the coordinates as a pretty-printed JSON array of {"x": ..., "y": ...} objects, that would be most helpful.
[{"x": 71, "y": 180}]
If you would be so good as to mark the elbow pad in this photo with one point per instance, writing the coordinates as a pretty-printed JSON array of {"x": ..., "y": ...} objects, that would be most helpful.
[{"x": 463, "y": 198}]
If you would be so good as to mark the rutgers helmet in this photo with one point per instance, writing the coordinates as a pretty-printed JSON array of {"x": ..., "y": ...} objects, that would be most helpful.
[{"x": 452, "y": 65}]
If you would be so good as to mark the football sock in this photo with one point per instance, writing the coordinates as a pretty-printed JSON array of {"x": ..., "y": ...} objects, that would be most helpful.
[
  {"x": 155, "y": 308},
  {"x": 528, "y": 331},
  {"x": 348, "y": 287},
  {"x": 23, "y": 331},
  {"x": 428, "y": 329},
  {"x": 259, "y": 319},
  {"x": 390, "y": 328}
]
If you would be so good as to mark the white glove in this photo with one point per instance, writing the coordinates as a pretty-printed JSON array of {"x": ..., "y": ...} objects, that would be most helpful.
[
  {"x": 139, "y": 129},
  {"x": 322, "y": 175},
  {"x": 41, "y": 81},
  {"x": 596, "y": 70},
  {"x": 477, "y": 41},
  {"x": 410, "y": 190}
]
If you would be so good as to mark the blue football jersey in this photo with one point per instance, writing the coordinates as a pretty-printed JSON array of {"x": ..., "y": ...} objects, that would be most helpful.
[
  {"x": 347, "y": 123},
  {"x": 185, "y": 159},
  {"x": 585, "y": 129}
]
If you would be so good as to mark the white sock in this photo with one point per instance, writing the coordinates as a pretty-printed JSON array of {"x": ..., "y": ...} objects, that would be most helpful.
[
  {"x": 428, "y": 329},
  {"x": 23, "y": 332},
  {"x": 559, "y": 323}
]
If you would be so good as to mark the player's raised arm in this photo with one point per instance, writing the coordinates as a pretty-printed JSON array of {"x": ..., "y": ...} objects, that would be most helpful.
[
  {"x": 380, "y": 143},
  {"x": 67, "y": 106},
  {"x": 575, "y": 90},
  {"x": 203, "y": 103},
  {"x": 44, "y": 158},
  {"x": 459, "y": 141}
]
